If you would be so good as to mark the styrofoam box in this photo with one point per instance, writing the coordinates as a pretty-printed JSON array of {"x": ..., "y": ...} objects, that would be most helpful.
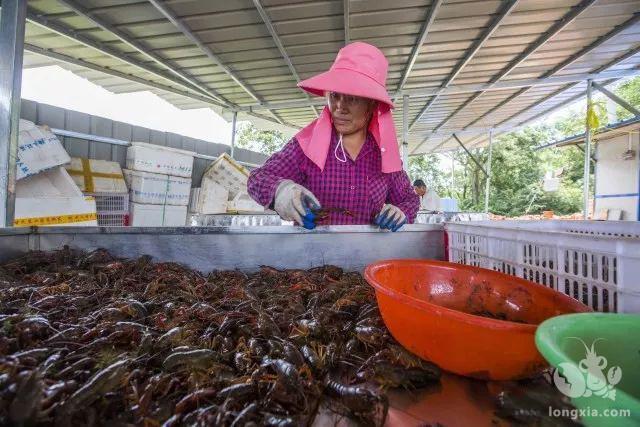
[
  {"x": 212, "y": 197},
  {"x": 596, "y": 262},
  {"x": 157, "y": 189},
  {"x": 227, "y": 172},
  {"x": 38, "y": 150},
  {"x": 193, "y": 199},
  {"x": 54, "y": 182},
  {"x": 55, "y": 211},
  {"x": 143, "y": 215},
  {"x": 145, "y": 157},
  {"x": 101, "y": 184},
  {"x": 243, "y": 203}
]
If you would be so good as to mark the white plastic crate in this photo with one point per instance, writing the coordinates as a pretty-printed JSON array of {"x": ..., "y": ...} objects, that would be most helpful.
[
  {"x": 112, "y": 209},
  {"x": 113, "y": 219},
  {"x": 597, "y": 263},
  {"x": 111, "y": 202}
]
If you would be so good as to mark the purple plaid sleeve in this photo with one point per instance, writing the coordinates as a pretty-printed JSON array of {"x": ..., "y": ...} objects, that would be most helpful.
[
  {"x": 402, "y": 195},
  {"x": 285, "y": 164}
]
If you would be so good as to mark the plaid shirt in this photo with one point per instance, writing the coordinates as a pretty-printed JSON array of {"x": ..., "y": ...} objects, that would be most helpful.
[{"x": 358, "y": 186}]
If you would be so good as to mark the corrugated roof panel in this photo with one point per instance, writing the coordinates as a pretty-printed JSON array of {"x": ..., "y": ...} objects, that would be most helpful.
[{"x": 312, "y": 32}]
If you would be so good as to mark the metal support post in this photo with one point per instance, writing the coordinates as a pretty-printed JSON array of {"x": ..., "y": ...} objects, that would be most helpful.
[
  {"x": 587, "y": 155},
  {"x": 488, "y": 183},
  {"x": 12, "y": 22},
  {"x": 453, "y": 169},
  {"x": 471, "y": 156},
  {"x": 233, "y": 134},
  {"x": 405, "y": 132}
]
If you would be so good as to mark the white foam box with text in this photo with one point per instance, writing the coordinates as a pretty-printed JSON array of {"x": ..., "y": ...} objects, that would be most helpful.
[
  {"x": 38, "y": 150},
  {"x": 157, "y": 189},
  {"x": 143, "y": 215},
  {"x": 145, "y": 157},
  {"x": 51, "y": 198}
]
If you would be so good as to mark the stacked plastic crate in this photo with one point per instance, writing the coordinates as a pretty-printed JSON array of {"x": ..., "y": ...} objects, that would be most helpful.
[
  {"x": 596, "y": 262},
  {"x": 103, "y": 180}
]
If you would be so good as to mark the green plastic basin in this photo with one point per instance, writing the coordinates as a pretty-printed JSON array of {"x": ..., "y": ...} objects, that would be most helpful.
[{"x": 597, "y": 361}]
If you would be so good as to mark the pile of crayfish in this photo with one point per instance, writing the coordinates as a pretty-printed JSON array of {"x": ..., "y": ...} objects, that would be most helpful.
[{"x": 90, "y": 339}]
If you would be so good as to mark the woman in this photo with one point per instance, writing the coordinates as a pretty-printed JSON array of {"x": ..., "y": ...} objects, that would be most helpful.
[{"x": 347, "y": 161}]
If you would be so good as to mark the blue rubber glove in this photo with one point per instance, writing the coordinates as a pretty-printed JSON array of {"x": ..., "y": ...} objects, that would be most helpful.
[
  {"x": 309, "y": 219},
  {"x": 390, "y": 218}
]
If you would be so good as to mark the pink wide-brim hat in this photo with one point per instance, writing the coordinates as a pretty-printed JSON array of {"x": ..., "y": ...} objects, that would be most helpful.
[{"x": 360, "y": 69}]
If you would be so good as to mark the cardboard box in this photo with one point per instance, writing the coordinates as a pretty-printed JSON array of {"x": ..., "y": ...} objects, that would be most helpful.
[
  {"x": 143, "y": 215},
  {"x": 145, "y": 157},
  {"x": 97, "y": 176},
  {"x": 38, "y": 150},
  {"x": 157, "y": 189},
  {"x": 228, "y": 173}
]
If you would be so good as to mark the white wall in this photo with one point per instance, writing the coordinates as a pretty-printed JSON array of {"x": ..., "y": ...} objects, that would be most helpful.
[{"x": 617, "y": 180}]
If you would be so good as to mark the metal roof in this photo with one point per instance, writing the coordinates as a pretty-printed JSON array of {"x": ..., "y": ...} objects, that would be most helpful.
[
  {"x": 608, "y": 132},
  {"x": 467, "y": 65}
]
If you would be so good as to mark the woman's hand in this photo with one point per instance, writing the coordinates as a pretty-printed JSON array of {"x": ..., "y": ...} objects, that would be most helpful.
[
  {"x": 391, "y": 218},
  {"x": 293, "y": 202}
]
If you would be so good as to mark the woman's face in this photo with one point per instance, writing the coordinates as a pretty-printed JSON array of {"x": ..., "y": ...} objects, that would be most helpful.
[{"x": 350, "y": 113}]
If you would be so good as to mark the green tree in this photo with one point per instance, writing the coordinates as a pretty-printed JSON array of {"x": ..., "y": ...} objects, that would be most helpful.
[
  {"x": 630, "y": 92},
  {"x": 428, "y": 169},
  {"x": 262, "y": 141}
]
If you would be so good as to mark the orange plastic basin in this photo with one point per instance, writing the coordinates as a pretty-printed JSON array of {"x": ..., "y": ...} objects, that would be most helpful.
[{"x": 451, "y": 315}]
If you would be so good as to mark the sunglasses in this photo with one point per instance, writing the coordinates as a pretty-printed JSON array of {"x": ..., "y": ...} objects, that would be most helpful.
[{"x": 347, "y": 100}]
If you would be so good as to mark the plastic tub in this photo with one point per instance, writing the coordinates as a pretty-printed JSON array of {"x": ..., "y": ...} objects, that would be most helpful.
[
  {"x": 614, "y": 343},
  {"x": 438, "y": 310}
]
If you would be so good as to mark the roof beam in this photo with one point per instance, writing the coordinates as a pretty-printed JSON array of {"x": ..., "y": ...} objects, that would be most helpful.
[
  {"x": 424, "y": 31},
  {"x": 555, "y": 29},
  {"x": 186, "y": 31},
  {"x": 503, "y": 128},
  {"x": 564, "y": 64},
  {"x": 506, "y": 128},
  {"x": 347, "y": 24},
  {"x": 280, "y": 46},
  {"x": 471, "y": 156},
  {"x": 104, "y": 49},
  {"x": 599, "y": 70},
  {"x": 111, "y": 72},
  {"x": 127, "y": 39},
  {"x": 617, "y": 99},
  {"x": 510, "y": 84},
  {"x": 497, "y": 21}
]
